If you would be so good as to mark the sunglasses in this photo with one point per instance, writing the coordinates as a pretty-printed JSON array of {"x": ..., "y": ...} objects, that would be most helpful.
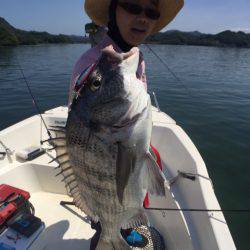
[{"x": 136, "y": 9}]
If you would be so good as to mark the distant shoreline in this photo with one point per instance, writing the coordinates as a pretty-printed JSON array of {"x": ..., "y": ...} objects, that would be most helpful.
[
  {"x": 223, "y": 39},
  {"x": 190, "y": 45},
  {"x": 10, "y": 36}
]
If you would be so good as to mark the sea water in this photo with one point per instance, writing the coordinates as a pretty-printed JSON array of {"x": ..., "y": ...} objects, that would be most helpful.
[{"x": 206, "y": 90}]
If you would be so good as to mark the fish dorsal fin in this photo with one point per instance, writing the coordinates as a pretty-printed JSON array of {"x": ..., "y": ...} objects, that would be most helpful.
[{"x": 66, "y": 170}]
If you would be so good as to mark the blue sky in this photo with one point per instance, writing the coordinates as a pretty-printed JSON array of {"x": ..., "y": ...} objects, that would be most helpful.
[{"x": 68, "y": 17}]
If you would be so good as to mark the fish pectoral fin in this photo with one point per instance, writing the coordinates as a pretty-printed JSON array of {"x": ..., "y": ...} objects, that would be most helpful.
[
  {"x": 156, "y": 179},
  {"x": 125, "y": 164},
  {"x": 140, "y": 219}
]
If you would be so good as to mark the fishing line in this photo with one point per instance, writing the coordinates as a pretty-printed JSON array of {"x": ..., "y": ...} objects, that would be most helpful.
[
  {"x": 33, "y": 99},
  {"x": 200, "y": 210},
  {"x": 171, "y": 71}
]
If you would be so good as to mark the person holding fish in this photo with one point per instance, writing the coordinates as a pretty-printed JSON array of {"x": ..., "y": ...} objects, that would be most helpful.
[{"x": 129, "y": 23}]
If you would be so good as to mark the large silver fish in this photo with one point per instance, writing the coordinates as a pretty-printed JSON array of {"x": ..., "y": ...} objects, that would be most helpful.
[{"x": 104, "y": 151}]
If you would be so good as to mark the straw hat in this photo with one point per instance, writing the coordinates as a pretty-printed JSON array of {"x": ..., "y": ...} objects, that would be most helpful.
[{"x": 98, "y": 10}]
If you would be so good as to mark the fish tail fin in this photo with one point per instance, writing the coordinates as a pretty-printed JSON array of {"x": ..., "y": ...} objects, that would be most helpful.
[
  {"x": 117, "y": 244},
  {"x": 156, "y": 178}
]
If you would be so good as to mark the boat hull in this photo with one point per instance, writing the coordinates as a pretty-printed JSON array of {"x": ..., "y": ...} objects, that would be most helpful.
[{"x": 180, "y": 229}]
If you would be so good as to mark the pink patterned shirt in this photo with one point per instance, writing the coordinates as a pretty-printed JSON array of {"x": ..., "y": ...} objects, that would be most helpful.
[{"x": 92, "y": 55}]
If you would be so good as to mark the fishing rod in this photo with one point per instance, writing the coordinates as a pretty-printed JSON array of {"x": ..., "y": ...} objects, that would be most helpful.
[
  {"x": 33, "y": 99},
  {"x": 200, "y": 210}
]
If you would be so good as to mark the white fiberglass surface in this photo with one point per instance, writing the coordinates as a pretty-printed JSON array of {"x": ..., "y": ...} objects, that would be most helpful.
[{"x": 66, "y": 227}]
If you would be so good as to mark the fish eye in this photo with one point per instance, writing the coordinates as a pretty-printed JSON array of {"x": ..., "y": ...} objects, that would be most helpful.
[
  {"x": 95, "y": 85},
  {"x": 95, "y": 80}
]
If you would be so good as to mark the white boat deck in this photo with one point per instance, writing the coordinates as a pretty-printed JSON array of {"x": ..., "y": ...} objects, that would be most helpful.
[{"x": 68, "y": 228}]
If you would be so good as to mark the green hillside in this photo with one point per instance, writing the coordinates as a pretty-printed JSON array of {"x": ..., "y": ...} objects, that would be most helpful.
[
  {"x": 7, "y": 33},
  {"x": 224, "y": 39},
  {"x": 12, "y": 36}
]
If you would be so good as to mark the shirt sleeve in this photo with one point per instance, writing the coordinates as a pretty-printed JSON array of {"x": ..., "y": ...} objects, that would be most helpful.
[
  {"x": 72, "y": 84},
  {"x": 84, "y": 61}
]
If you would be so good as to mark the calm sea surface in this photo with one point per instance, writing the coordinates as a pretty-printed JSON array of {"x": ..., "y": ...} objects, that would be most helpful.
[{"x": 212, "y": 104}]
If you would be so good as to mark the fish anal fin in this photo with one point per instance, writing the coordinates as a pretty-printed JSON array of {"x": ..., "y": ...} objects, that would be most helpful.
[
  {"x": 114, "y": 244},
  {"x": 137, "y": 220}
]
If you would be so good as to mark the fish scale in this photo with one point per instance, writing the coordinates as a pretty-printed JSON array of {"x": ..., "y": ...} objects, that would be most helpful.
[{"x": 92, "y": 159}]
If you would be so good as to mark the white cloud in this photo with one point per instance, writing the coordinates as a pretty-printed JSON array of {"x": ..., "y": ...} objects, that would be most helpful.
[{"x": 246, "y": 30}]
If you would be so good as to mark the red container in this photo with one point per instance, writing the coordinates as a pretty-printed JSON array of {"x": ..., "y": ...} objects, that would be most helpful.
[{"x": 11, "y": 199}]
